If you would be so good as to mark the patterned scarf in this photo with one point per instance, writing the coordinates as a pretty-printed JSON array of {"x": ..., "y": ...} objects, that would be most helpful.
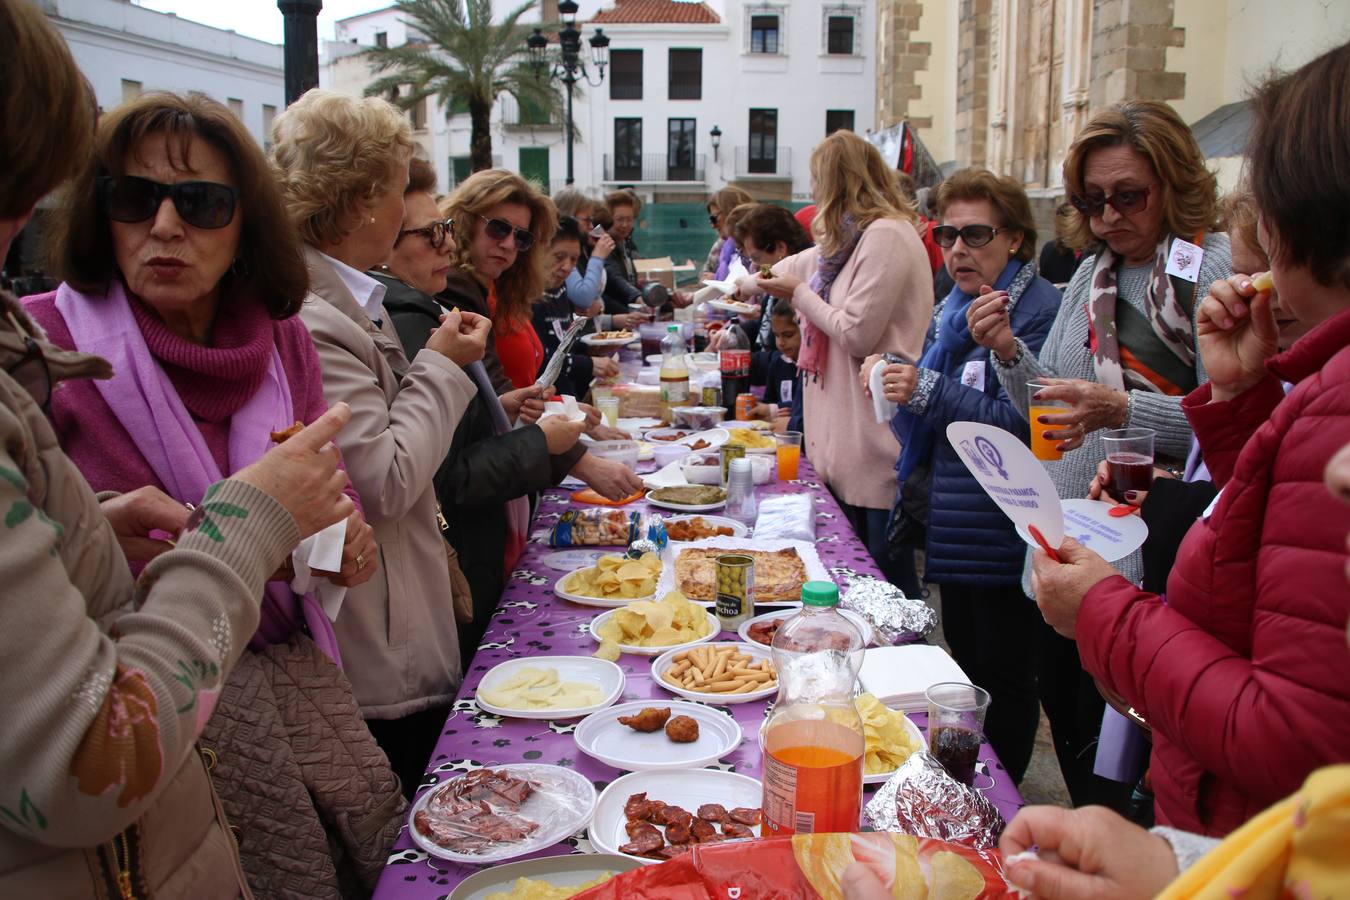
[
  {"x": 1170, "y": 321},
  {"x": 815, "y": 345}
]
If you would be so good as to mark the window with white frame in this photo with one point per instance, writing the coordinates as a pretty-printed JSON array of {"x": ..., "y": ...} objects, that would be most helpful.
[
  {"x": 765, "y": 28},
  {"x": 841, "y": 29}
]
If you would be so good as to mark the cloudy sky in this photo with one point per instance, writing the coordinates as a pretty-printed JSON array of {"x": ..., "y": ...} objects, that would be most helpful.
[{"x": 259, "y": 18}]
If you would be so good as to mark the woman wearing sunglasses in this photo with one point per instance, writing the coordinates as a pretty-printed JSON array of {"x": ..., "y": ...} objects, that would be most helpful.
[
  {"x": 180, "y": 269},
  {"x": 484, "y": 483},
  {"x": 988, "y": 240},
  {"x": 343, "y": 167}
]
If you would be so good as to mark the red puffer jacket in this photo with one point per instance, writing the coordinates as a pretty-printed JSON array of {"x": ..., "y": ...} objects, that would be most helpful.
[{"x": 1243, "y": 671}]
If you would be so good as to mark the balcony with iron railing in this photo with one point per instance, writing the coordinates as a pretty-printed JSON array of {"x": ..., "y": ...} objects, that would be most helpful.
[
  {"x": 654, "y": 167},
  {"x": 516, "y": 115},
  {"x": 770, "y": 163}
]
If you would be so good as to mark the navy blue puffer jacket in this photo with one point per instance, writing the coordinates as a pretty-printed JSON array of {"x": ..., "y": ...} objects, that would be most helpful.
[{"x": 970, "y": 541}]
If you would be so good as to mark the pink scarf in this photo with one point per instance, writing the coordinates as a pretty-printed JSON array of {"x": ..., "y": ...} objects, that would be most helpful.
[
  {"x": 815, "y": 343},
  {"x": 142, "y": 397}
]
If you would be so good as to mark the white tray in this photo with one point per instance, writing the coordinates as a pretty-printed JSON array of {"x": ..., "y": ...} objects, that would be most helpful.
[
  {"x": 600, "y": 736},
  {"x": 815, "y": 569}
]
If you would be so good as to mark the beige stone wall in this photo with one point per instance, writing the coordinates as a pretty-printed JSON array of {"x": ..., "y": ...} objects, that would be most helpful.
[
  {"x": 972, "y": 83},
  {"x": 900, "y": 58},
  {"x": 1129, "y": 52}
]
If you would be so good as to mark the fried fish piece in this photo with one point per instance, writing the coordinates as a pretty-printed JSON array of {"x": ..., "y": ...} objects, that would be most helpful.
[
  {"x": 682, "y": 730},
  {"x": 280, "y": 437},
  {"x": 650, "y": 719}
]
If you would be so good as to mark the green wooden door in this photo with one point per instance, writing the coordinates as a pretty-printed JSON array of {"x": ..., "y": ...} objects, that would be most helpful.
[{"x": 534, "y": 166}]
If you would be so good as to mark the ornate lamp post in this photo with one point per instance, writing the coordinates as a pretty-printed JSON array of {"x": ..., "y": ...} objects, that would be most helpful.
[
  {"x": 716, "y": 135},
  {"x": 302, "y": 45},
  {"x": 569, "y": 68}
]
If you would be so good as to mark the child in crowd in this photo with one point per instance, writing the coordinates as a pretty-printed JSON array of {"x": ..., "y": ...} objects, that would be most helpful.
[{"x": 777, "y": 371}]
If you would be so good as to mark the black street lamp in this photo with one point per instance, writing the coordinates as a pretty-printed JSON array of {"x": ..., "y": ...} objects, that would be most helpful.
[
  {"x": 716, "y": 135},
  {"x": 570, "y": 68},
  {"x": 302, "y": 45}
]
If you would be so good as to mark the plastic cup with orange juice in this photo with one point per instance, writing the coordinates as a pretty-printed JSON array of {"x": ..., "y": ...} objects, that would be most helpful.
[
  {"x": 1041, "y": 446},
  {"x": 789, "y": 454}
]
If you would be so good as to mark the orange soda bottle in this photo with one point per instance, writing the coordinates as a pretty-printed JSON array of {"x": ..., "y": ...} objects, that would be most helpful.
[{"x": 813, "y": 740}]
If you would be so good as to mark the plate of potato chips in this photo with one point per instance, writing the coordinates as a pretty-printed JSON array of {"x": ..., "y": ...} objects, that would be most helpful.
[
  {"x": 614, "y": 580},
  {"x": 891, "y": 737},
  {"x": 651, "y": 627},
  {"x": 554, "y": 687}
]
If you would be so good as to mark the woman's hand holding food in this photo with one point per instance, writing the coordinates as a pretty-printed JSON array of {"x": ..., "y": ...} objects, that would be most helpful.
[
  {"x": 461, "y": 337},
  {"x": 610, "y": 479},
  {"x": 1236, "y": 333},
  {"x": 987, "y": 318},
  {"x": 782, "y": 286},
  {"x": 302, "y": 474},
  {"x": 1091, "y": 406},
  {"x": 135, "y": 514}
]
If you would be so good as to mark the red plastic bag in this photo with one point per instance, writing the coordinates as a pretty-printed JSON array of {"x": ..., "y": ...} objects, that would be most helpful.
[{"x": 810, "y": 866}]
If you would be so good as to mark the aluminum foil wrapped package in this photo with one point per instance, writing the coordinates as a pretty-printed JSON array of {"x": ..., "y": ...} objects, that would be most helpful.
[
  {"x": 923, "y": 800},
  {"x": 895, "y": 618}
]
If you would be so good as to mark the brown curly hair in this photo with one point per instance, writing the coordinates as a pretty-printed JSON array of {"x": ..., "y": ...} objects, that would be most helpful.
[
  {"x": 1190, "y": 193},
  {"x": 523, "y": 283},
  {"x": 270, "y": 263},
  {"x": 1004, "y": 194}
]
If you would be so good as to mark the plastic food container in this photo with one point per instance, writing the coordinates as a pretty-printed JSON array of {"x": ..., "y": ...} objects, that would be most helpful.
[
  {"x": 666, "y": 454},
  {"x": 701, "y": 469},
  {"x": 700, "y": 417},
  {"x": 625, "y": 452}
]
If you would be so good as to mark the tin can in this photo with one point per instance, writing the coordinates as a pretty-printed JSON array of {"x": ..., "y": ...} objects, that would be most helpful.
[
  {"x": 727, "y": 453},
  {"x": 745, "y": 407},
  {"x": 712, "y": 395},
  {"x": 735, "y": 590}
]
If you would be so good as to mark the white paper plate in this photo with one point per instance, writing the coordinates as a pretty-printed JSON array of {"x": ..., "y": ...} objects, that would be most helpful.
[
  {"x": 639, "y": 423},
  {"x": 915, "y": 735},
  {"x": 757, "y": 651},
  {"x": 646, "y": 450},
  {"x": 562, "y": 871},
  {"x": 734, "y": 306},
  {"x": 566, "y": 798},
  {"x": 815, "y": 569},
  {"x": 600, "y": 672},
  {"x": 593, "y": 340},
  {"x": 715, "y": 437},
  {"x": 744, "y": 630},
  {"x": 689, "y": 788},
  {"x": 571, "y": 560},
  {"x": 738, "y": 528},
  {"x": 600, "y": 736},
  {"x": 606, "y": 603},
  {"x": 600, "y": 620},
  {"x": 685, "y": 507}
]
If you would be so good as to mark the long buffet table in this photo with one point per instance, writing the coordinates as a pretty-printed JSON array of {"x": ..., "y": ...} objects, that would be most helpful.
[{"x": 532, "y": 621}]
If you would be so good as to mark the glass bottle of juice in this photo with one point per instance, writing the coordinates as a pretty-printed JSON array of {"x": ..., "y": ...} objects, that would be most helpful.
[
  {"x": 813, "y": 740},
  {"x": 674, "y": 374}
]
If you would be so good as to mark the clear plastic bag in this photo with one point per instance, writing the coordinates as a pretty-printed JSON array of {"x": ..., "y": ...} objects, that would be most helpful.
[{"x": 790, "y": 516}]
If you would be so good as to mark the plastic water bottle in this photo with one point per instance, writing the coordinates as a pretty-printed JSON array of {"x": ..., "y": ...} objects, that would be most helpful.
[
  {"x": 674, "y": 374},
  {"x": 813, "y": 740}
]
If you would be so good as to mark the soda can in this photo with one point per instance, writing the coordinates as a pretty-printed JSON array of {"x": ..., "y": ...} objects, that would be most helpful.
[
  {"x": 728, "y": 452},
  {"x": 745, "y": 407},
  {"x": 735, "y": 590}
]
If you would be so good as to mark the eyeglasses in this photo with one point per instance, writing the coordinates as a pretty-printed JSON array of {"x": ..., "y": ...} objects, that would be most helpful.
[
  {"x": 1126, "y": 202},
  {"x": 974, "y": 235},
  {"x": 201, "y": 204},
  {"x": 499, "y": 230},
  {"x": 435, "y": 233},
  {"x": 33, "y": 373}
]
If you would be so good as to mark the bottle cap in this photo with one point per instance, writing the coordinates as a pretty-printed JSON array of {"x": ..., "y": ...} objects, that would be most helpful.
[
  {"x": 674, "y": 327},
  {"x": 820, "y": 593}
]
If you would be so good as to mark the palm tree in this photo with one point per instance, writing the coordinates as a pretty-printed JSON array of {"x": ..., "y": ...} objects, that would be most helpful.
[{"x": 466, "y": 59}]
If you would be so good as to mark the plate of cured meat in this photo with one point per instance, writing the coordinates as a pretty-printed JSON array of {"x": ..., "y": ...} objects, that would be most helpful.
[
  {"x": 655, "y": 816},
  {"x": 490, "y": 815}
]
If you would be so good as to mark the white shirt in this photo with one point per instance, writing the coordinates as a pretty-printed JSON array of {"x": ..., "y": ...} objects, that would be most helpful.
[{"x": 368, "y": 292}]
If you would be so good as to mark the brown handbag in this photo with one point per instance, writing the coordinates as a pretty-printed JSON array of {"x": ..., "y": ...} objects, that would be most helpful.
[{"x": 461, "y": 595}]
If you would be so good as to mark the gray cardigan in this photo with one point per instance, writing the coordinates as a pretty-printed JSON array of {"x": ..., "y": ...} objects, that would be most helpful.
[{"x": 1066, "y": 355}]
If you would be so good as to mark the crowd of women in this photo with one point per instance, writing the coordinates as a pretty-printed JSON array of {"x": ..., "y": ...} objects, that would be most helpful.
[{"x": 194, "y": 710}]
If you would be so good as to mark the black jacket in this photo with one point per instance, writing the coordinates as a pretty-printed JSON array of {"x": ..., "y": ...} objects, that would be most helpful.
[
  {"x": 621, "y": 287},
  {"x": 481, "y": 471},
  {"x": 552, "y": 317}
]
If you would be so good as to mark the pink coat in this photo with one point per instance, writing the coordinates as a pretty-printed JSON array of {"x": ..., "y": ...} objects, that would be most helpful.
[
  {"x": 1243, "y": 671},
  {"x": 882, "y": 301}
]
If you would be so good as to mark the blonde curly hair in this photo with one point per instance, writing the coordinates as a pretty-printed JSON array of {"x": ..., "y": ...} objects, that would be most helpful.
[
  {"x": 334, "y": 155},
  {"x": 523, "y": 283}
]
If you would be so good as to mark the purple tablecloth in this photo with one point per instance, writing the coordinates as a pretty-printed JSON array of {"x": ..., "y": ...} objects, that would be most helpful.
[{"x": 531, "y": 621}]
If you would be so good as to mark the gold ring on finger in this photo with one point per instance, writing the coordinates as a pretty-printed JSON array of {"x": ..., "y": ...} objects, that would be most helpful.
[{"x": 360, "y": 562}]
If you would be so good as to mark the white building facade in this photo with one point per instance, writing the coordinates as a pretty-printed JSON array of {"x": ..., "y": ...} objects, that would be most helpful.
[
  {"x": 125, "y": 49},
  {"x": 772, "y": 78}
]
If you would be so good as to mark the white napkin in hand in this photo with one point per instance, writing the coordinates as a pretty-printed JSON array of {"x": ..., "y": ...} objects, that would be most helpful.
[
  {"x": 881, "y": 407},
  {"x": 566, "y": 406},
  {"x": 322, "y": 552}
]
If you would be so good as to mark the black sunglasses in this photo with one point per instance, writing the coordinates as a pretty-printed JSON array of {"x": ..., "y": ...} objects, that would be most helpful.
[
  {"x": 1125, "y": 202},
  {"x": 974, "y": 235},
  {"x": 201, "y": 204},
  {"x": 41, "y": 385},
  {"x": 498, "y": 230},
  {"x": 712, "y": 219},
  {"x": 435, "y": 233}
]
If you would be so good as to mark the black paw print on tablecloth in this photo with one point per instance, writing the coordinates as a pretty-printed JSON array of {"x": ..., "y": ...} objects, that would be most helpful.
[
  {"x": 562, "y": 727},
  {"x": 471, "y": 711}
]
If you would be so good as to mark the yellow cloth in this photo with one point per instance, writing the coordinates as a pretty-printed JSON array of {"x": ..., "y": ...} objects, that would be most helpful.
[{"x": 1299, "y": 848}]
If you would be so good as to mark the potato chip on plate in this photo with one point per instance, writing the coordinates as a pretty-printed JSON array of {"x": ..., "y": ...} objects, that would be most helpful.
[
  {"x": 650, "y": 627},
  {"x": 614, "y": 580},
  {"x": 891, "y": 738}
]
